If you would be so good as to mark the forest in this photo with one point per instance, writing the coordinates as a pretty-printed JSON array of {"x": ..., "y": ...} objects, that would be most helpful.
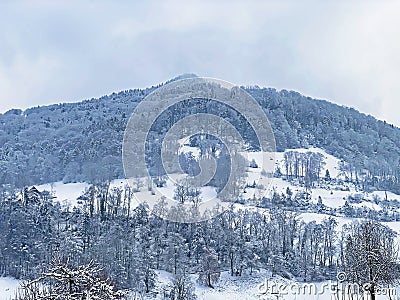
[
  {"x": 129, "y": 246},
  {"x": 81, "y": 142},
  {"x": 106, "y": 245}
]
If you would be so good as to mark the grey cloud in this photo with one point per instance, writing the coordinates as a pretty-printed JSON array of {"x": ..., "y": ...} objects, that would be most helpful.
[{"x": 70, "y": 51}]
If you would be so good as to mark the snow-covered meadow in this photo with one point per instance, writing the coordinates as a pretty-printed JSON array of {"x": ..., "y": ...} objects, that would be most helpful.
[{"x": 8, "y": 287}]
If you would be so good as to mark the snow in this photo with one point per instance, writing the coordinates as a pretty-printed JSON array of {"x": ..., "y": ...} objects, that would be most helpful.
[
  {"x": 280, "y": 186},
  {"x": 331, "y": 162},
  {"x": 382, "y": 195},
  {"x": 257, "y": 286},
  {"x": 168, "y": 190},
  {"x": 258, "y": 156},
  {"x": 318, "y": 218},
  {"x": 163, "y": 281},
  {"x": 246, "y": 286},
  {"x": 8, "y": 287},
  {"x": 254, "y": 175},
  {"x": 65, "y": 193},
  {"x": 235, "y": 288},
  {"x": 186, "y": 149},
  {"x": 368, "y": 205},
  {"x": 330, "y": 198},
  {"x": 68, "y": 193},
  {"x": 334, "y": 199}
]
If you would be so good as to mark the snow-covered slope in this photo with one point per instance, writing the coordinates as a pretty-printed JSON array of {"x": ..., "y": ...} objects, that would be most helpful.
[
  {"x": 8, "y": 287},
  {"x": 257, "y": 286},
  {"x": 332, "y": 195}
]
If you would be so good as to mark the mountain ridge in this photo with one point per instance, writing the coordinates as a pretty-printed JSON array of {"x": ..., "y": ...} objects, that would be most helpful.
[{"x": 187, "y": 76}]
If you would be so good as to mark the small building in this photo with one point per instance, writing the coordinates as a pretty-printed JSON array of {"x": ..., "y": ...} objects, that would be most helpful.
[{"x": 32, "y": 195}]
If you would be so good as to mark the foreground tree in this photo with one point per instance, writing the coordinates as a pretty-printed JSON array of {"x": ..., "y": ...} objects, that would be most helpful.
[
  {"x": 371, "y": 256},
  {"x": 210, "y": 272},
  {"x": 183, "y": 288},
  {"x": 65, "y": 282}
]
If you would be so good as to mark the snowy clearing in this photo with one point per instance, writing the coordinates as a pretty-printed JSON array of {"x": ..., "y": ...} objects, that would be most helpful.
[{"x": 8, "y": 287}]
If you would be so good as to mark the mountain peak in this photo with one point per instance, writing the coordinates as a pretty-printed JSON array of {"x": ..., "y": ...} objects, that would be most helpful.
[{"x": 182, "y": 76}]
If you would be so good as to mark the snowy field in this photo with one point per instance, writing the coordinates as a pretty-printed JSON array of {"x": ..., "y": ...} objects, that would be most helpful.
[
  {"x": 258, "y": 286},
  {"x": 261, "y": 285},
  {"x": 331, "y": 162},
  {"x": 332, "y": 196},
  {"x": 8, "y": 287}
]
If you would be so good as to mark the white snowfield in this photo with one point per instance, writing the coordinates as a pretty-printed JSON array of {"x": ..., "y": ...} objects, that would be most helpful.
[
  {"x": 8, "y": 287},
  {"x": 332, "y": 196},
  {"x": 261, "y": 285},
  {"x": 245, "y": 287}
]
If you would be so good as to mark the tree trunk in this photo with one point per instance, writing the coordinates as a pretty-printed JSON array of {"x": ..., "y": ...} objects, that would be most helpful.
[
  {"x": 231, "y": 261},
  {"x": 209, "y": 280}
]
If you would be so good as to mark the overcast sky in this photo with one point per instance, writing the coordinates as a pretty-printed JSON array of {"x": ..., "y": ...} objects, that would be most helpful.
[{"x": 345, "y": 51}]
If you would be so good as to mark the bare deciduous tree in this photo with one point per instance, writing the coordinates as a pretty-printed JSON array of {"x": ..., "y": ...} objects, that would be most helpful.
[
  {"x": 65, "y": 282},
  {"x": 371, "y": 256}
]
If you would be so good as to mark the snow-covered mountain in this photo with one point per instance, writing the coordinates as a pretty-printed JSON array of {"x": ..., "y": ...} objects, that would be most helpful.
[
  {"x": 66, "y": 142},
  {"x": 64, "y": 196}
]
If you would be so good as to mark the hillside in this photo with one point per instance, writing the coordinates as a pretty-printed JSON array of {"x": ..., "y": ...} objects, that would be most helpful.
[
  {"x": 292, "y": 232},
  {"x": 256, "y": 240},
  {"x": 327, "y": 197},
  {"x": 74, "y": 142}
]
